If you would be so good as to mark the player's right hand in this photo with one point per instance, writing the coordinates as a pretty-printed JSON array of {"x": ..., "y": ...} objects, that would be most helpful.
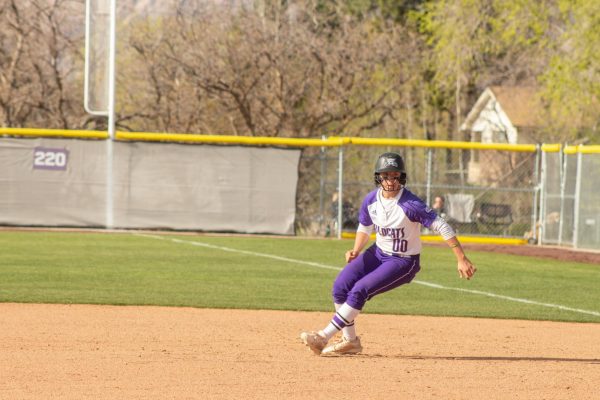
[{"x": 351, "y": 255}]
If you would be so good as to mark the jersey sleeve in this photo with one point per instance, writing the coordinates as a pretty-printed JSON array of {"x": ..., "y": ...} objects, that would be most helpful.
[
  {"x": 417, "y": 211},
  {"x": 363, "y": 215},
  {"x": 365, "y": 229},
  {"x": 441, "y": 226}
]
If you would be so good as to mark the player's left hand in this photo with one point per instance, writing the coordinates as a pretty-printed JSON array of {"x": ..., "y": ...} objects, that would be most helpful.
[{"x": 466, "y": 269}]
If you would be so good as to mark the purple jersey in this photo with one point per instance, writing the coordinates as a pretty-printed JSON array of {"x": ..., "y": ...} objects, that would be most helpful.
[{"x": 397, "y": 221}]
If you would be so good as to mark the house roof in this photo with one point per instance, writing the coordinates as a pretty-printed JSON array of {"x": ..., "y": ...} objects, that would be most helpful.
[{"x": 520, "y": 104}]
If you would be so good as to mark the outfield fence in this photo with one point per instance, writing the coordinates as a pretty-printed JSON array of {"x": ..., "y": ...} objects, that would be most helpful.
[
  {"x": 544, "y": 194},
  {"x": 488, "y": 191},
  {"x": 570, "y": 206}
]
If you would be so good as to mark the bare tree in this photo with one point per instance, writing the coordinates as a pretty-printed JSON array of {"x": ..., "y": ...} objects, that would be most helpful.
[
  {"x": 14, "y": 84},
  {"x": 271, "y": 72},
  {"x": 39, "y": 63}
]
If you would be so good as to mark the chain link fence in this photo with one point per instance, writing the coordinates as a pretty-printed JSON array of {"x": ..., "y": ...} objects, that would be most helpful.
[
  {"x": 570, "y": 210},
  {"x": 542, "y": 194},
  {"x": 486, "y": 192}
]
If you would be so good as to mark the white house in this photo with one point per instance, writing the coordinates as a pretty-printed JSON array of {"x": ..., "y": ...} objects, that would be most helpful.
[{"x": 502, "y": 114}]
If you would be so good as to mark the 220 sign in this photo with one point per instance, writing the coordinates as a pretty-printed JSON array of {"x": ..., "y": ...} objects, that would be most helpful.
[{"x": 47, "y": 158}]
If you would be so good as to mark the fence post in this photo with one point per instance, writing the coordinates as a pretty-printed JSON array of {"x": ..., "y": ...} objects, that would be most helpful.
[
  {"x": 323, "y": 159},
  {"x": 111, "y": 118},
  {"x": 429, "y": 172},
  {"x": 577, "y": 197},
  {"x": 563, "y": 180},
  {"x": 340, "y": 190},
  {"x": 542, "y": 202},
  {"x": 540, "y": 180}
]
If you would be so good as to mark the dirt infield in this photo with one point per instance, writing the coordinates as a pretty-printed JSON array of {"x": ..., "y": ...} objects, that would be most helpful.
[{"x": 107, "y": 352}]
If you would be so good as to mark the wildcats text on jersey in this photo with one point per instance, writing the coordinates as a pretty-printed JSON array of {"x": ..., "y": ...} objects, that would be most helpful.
[{"x": 396, "y": 233}]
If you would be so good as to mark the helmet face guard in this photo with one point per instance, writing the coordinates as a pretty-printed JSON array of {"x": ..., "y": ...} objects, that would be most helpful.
[
  {"x": 402, "y": 179},
  {"x": 389, "y": 162}
]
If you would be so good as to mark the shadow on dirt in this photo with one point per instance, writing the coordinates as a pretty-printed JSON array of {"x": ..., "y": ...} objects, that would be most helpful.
[{"x": 482, "y": 358}]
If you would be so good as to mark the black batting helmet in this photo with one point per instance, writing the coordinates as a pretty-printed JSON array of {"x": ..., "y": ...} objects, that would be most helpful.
[{"x": 390, "y": 162}]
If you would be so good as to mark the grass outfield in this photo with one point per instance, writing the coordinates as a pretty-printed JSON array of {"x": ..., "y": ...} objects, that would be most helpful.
[{"x": 278, "y": 273}]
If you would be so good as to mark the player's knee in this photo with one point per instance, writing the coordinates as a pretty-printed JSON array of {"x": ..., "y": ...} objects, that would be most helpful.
[
  {"x": 357, "y": 297},
  {"x": 339, "y": 293},
  {"x": 341, "y": 286}
]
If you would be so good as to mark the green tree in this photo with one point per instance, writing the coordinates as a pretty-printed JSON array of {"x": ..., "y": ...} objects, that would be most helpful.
[
  {"x": 473, "y": 44},
  {"x": 571, "y": 84}
]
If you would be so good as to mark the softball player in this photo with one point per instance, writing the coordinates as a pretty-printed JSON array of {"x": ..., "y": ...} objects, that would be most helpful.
[{"x": 395, "y": 215}]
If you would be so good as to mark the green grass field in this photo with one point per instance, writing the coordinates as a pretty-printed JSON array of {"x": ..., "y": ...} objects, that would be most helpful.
[{"x": 276, "y": 273}]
